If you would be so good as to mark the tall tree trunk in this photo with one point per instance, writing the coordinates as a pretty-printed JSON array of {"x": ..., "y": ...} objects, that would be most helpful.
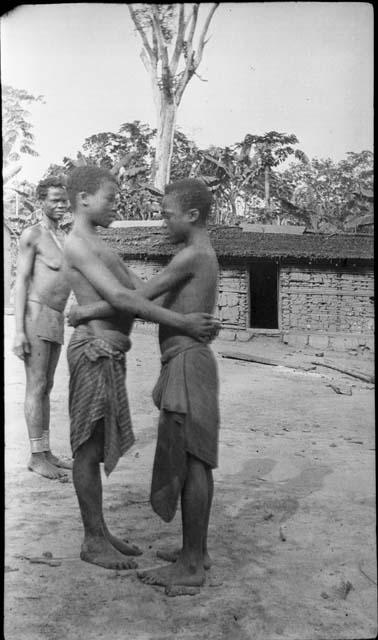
[
  {"x": 233, "y": 208},
  {"x": 267, "y": 189},
  {"x": 164, "y": 144}
]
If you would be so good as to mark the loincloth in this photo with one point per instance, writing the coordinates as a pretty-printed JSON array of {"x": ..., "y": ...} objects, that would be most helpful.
[
  {"x": 49, "y": 323},
  {"x": 187, "y": 395},
  {"x": 97, "y": 390}
]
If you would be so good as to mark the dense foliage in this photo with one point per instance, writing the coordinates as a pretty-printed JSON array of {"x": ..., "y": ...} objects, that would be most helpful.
[{"x": 247, "y": 178}]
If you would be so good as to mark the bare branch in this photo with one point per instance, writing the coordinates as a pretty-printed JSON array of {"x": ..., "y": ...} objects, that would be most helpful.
[
  {"x": 189, "y": 69},
  {"x": 179, "y": 40},
  {"x": 146, "y": 60},
  {"x": 141, "y": 32},
  {"x": 185, "y": 77},
  {"x": 188, "y": 20},
  {"x": 199, "y": 77},
  {"x": 192, "y": 27},
  {"x": 202, "y": 42},
  {"x": 160, "y": 37},
  {"x": 155, "y": 47}
]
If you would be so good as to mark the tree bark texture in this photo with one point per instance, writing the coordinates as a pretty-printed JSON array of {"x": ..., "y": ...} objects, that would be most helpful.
[{"x": 164, "y": 144}]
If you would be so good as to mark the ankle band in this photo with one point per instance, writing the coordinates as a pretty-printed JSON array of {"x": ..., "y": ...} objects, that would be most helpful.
[{"x": 37, "y": 445}]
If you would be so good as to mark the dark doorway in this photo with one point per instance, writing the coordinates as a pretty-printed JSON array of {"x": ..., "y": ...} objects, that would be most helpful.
[{"x": 263, "y": 278}]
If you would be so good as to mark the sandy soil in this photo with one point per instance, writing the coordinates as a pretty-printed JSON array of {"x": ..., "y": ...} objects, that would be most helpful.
[{"x": 292, "y": 527}]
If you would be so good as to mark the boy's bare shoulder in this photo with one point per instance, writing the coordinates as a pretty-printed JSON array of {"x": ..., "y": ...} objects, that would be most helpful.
[
  {"x": 205, "y": 254},
  {"x": 74, "y": 246},
  {"x": 79, "y": 248},
  {"x": 197, "y": 251}
]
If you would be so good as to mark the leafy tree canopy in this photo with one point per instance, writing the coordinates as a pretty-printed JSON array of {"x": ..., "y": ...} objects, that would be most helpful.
[{"x": 17, "y": 130}]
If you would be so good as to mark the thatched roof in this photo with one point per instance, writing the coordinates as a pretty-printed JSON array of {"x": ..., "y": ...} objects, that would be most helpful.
[
  {"x": 273, "y": 228},
  {"x": 232, "y": 242}
]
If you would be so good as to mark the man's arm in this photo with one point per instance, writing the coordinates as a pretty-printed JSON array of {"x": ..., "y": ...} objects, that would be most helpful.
[
  {"x": 80, "y": 257},
  {"x": 25, "y": 263}
]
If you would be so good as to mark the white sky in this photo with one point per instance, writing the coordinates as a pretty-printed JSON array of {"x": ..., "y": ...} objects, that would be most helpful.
[{"x": 295, "y": 67}]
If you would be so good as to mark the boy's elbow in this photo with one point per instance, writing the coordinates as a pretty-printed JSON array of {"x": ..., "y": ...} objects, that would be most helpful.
[
  {"x": 115, "y": 299},
  {"x": 123, "y": 300}
]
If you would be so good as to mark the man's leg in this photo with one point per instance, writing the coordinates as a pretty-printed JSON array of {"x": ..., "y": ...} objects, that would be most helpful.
[
  {"x": 36, "y": 366},
  {"x": 55, "y": 350},
  {"x": 173, "y": 554},
  {"x": 210, "y": 493},
  {"x": 195, "y": 510},
  {"x": 188, "y": 569},
  {"x": 96, "y": 547}
]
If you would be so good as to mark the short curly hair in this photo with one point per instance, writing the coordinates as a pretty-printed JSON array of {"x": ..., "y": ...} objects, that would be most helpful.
[
  {"x": 88, "y": 178},
  {"x": 44, "y": 185},
  {"x": 191, "y": 193}
]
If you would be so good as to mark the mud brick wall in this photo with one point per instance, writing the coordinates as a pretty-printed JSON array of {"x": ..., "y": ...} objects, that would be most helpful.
[
  {"x": 326, "y": 299},
  {"x": 145, "y": 269},
  {"x": 232, "y": 304}
]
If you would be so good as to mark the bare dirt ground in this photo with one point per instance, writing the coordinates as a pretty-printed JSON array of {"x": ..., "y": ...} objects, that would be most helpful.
[{"x": 292, "y": 533}]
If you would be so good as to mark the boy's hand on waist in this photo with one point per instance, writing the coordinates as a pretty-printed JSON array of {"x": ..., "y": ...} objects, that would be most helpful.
[
  {"x": 215, "y": 329},
  {"x": 74, "y": 316},
  {"x": 21, "y": 346},
  {"x": 201, "y": 326}
]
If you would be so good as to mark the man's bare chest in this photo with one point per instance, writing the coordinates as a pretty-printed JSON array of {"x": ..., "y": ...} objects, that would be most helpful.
[{"x": 50, "y": 250}]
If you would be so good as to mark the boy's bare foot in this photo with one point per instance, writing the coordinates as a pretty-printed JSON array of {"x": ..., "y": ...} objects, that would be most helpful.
[
  {"x": 179, "y": 573},
  {"x": 39, "y": 464},
  {"x": 57, "y": 462},
  {"x": 171, "y": 555},
  {"x": 99, "y": 551},
  {"x": 124, "y": 546}
]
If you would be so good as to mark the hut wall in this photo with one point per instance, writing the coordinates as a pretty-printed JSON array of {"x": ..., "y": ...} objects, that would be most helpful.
[
  {"x": 145, "y": 269},
  {"x": 313, "y": 300},
  {"x": 326, "y": 299},
  {"x": 233, "y": 303}
]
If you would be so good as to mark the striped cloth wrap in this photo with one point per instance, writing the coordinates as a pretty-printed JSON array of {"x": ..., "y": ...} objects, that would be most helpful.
[{"x": 97, "y": 391}]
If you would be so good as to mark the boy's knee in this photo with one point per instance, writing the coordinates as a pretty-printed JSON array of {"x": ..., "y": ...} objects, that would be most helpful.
[
  {"x": 196, "y": 465},
  {"x": 49, "y": 385},
  {"x": 87, "y": 454},
  {"x": 37, "y": 387}
]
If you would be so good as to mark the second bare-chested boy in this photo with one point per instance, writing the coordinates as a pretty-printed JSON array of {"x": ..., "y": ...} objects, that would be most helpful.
[{"x": 100, "y": 422}]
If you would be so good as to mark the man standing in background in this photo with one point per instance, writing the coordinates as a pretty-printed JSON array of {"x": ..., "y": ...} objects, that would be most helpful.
[{"x": 41, "y": 294}]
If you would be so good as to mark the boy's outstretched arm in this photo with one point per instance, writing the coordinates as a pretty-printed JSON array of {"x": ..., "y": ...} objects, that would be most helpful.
[
  {"x": 178, "y": 270},
  {"x": 81, "y": 258},
  {"x": 94, "y": 310}
]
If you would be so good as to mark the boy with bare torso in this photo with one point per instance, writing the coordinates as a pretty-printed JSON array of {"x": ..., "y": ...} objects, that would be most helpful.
[
  {"x": 41, "y": 294},
  {"x": 187, "y": 389},
  {"x": 100, "y": 422}
]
